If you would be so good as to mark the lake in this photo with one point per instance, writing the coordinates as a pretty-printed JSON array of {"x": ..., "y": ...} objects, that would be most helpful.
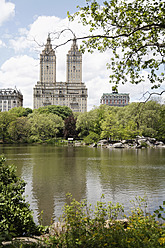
[{"x": 120, "y": 174}]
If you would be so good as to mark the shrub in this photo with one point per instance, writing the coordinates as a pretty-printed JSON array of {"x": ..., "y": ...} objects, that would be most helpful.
[
  {"x": 101, "y": 227},
  {"x": 15, "y": 215},
  {"x": 161, "y": 212},
  {"x": 91, "y": 138}
]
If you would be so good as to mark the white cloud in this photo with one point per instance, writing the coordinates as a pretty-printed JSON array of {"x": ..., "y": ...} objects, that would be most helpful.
[
  {"x": 22, "y": 72},
  {"x": 2, "y": 44},
  {"x": 7, "y": 10},
  {"x": 36, "y": 34}
]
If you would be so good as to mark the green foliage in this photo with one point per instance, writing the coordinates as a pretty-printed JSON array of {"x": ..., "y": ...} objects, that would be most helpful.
[
  {"x": 85, "y": 123},
  {"x": 101, "y": 227},
  {"x": 5, "y": 119},
  {"x": 133, "y": 31},
  {"x": 70, "y": 127},
  {"x": 145, "y": 119},
  {"x": 110, "y": 128},
  {"x": 161, "y": 211},
  {"x": 161, "y": 124},
  {"x": 20, "y": 111},
  {"x": 91, "y": 138},
  {"x": 142, "y": 119},
  {"x": 19, "y": 130},
  {"x": 44, "y": 126},
  {"x": 15, "y": 215},
  {"x": 62, "y": 111},
  {"x": 91, "y": 121}
]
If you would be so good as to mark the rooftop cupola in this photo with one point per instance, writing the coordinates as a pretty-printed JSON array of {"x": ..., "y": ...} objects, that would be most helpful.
[
  {"x": 48, "y": 46},
  {"x": 74, "y": 44}
]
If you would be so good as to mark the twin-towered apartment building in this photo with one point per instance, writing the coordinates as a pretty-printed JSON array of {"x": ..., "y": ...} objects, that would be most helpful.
[
  {"x": 47, "y": 91},
  {"x": 72, "y": 93}
]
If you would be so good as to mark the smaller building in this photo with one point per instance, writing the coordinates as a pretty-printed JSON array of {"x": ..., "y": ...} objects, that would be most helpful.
[
  {"x": 10, "y": 98},
  {"x": 115, "y": 99}
]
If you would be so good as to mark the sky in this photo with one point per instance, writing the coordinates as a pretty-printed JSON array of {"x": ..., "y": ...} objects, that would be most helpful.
[{"x": 24, "y": 28}]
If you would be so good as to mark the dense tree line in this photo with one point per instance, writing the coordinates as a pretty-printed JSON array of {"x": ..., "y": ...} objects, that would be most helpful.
[
  {"x": 22, "y": 125},
  {"x": 116, "y": 123}
]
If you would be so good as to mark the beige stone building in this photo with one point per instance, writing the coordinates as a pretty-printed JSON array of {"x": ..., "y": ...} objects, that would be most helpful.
[
  {"x": 10, "y": 98},
  {"x": 72, "y": 93}
]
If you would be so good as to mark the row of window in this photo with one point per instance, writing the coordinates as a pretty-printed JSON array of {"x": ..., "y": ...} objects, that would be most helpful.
[
  {"x": 47, "y": 71},
  {"x": 9, "y": 102},
  {"x": 114, "y": 101},
  {"x": 73, "y": 70},
  {"x": 115, "y": 97}
]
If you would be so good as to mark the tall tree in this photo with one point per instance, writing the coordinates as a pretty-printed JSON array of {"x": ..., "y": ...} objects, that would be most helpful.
[
  {"x": 110, "y": 127},
  {"x": 5, "y": 119},
  {"x": 70, "y": 127},
  {"x": 161, "y": 129},
  {"x": 19, "y": 129},
  {"x": 134, "y": 31},
  {"x": 44, "y": 126},
  {"x": 87, "y": 122}
]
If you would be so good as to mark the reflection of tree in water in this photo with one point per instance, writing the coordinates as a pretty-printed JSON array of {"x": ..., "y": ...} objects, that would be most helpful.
[
  {"x": 57, "y": 172},
  {"x": 131, "y": 173},
  {"x": 86, "y": 172}
]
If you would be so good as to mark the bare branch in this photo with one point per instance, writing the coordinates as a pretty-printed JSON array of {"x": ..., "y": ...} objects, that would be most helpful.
[
  {"x": 36, "y": 42},
  {"x": 153, "y": 93}
]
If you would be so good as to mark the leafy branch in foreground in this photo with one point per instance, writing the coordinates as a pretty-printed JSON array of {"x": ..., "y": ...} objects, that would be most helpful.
[
  {"x": 134, "y": 31},
  {"x": 161, "y": 211},
  {"x": 15, "y": 215}
]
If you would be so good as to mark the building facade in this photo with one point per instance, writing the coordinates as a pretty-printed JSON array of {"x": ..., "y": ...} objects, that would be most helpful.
[
  {"x": 10, "y": 98},
  {"x": 115, "y": 99},
  {"x": 72, "y": 93}
]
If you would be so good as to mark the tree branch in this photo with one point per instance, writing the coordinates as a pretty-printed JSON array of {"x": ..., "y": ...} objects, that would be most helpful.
[{"x": 153, "y": 93}]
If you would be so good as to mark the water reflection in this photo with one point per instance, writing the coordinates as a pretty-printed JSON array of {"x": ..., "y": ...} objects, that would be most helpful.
[
  {"x": 51, "y": 172},
  {"x": 27, "y": 176},
  {"x": 57, "y": 172}
]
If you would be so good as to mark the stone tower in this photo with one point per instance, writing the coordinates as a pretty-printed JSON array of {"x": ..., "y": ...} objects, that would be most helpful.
[
  {"x": 48, "y": 64},
  {"x": 74, "y": 65},
  {"x": 72, "y": 93}
]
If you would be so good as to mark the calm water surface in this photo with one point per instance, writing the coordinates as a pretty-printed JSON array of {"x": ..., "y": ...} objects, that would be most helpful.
[{"x": 120, "y": 174}]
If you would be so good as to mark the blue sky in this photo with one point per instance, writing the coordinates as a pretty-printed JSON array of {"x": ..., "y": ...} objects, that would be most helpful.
[
  {"x": 22, "y": 13},
  {"x": 22, "y": 21}
]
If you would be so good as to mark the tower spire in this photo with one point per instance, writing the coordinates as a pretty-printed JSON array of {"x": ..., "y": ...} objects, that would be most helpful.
[
  {"x": 74, "y": 45},
  {"x": 74, "y": 64},
  {"x": 48, "y": 39}
]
